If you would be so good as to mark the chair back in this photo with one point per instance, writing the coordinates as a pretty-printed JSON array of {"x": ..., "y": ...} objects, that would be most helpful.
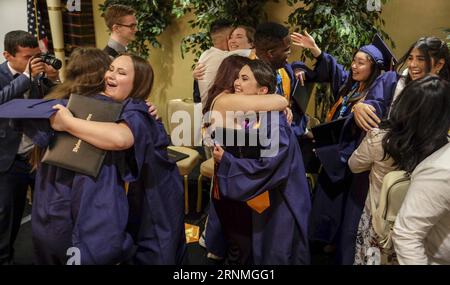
[{"x": 185, "y": 122}]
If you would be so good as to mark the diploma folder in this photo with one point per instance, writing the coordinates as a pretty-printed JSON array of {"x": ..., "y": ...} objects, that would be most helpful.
[
  {"x": 72, "y": 153},
  {"x": 328, "y": 133},
  {"x": 302, "y": 94},
  {"x": 176, "y": 156}
]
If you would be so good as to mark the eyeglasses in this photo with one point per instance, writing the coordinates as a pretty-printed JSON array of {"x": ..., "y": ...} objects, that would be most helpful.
[{"x": 131, "y": 26}]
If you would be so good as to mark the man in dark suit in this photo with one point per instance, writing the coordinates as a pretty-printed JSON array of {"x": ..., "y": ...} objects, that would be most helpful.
[
  {"x": 21, "y": 76},
  {"x": 122, "y": 24}
]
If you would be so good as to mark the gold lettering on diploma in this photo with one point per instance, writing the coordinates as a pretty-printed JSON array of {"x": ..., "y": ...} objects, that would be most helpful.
[{"x": 78, "y": 144}]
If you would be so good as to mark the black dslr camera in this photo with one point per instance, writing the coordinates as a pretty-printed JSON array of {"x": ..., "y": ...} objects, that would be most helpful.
[{"x": 50, "y": 59}]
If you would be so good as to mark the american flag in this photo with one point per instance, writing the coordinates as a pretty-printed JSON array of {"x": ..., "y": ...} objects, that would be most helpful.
[{"x": 38, "y": 22}]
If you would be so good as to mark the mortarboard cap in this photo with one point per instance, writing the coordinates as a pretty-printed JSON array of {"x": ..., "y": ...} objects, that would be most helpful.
[
  {"x": 380, "y": 53},
  {"x": 29, "y": 108},
  {"x": 328, "y": 133}
]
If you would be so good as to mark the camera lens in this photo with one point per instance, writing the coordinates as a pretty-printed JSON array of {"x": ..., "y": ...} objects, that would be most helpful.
[
  {"x": 51, "y": 60},
  {"x": 56, "y": 63}
]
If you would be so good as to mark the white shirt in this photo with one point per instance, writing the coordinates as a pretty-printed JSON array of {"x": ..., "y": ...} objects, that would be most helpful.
[
  {"x": 14, "y": 72},
  {"x": 212, "y": 58},
  {"x": 422, "y": 228}
]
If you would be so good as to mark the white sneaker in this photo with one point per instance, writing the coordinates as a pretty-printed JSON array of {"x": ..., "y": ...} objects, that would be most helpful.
[
  {"x": 213, "y": 256},
  {"x": 202, "y": 243}
]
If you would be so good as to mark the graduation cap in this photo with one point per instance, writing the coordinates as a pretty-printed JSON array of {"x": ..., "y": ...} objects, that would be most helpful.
[
  {"x": 380, "y": 53},
  {"x": 29, "y": 108},
  {"x": 328, "y": 133}
]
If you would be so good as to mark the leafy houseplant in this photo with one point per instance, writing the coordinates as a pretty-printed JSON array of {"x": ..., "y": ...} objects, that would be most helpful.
[
  {"x": 244, "y": 12},
  {"x": 339, "y": 27},
  {"x": 152, "y": 16}
]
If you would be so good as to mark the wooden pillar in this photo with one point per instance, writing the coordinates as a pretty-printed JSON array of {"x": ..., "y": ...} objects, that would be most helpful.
[{"x": 56, "y": 27}]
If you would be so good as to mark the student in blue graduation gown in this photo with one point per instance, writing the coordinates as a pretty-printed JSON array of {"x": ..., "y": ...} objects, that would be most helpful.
[
  {"x": 263, "y": 203},
  {"x": 362, "y": 95},
  {"x": 89, "y": 216},
  {"x": 428, "y": 55},
  {"x": 223, "y": 85},
  {"x": 273, "y": 45}
]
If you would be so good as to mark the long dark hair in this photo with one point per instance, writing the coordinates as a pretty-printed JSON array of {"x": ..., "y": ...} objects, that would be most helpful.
[
  {"x": 265, "y": 76},
  {"x": 143, "y": 77},
  {"x": 429, "y": 47},
  {"x": 419, "y": 122},
  {"x": 84, "y": 73},
  {"x": 226, "y": 75},
  {"x": 375, "y": 71}
]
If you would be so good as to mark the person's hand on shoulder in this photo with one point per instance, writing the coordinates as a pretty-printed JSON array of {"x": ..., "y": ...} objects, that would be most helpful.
[
  {"x": 152, "y": 110},
  {"x": 289, "y": 116},
  {"x": 365, "y": 116}
]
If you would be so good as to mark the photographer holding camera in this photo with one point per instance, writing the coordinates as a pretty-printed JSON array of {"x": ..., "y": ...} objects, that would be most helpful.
[{"x": 25, "y": 74}]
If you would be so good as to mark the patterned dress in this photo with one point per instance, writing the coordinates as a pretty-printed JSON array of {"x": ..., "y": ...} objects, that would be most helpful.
[{"x": 368, "y": 251}]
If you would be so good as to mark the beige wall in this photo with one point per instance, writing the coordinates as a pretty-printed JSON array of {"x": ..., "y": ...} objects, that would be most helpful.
[{"x": 406, "y": 20}]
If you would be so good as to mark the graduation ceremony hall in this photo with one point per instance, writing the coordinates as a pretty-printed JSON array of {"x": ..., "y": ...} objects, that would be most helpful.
[{"x": 258, "y": 134}]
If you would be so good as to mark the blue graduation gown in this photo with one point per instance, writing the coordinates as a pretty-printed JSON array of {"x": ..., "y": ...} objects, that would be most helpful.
[
  {"x": 75, "y": 210},
  {"x": 333, "y": 207},
  {"x": 279, "y": 234},
  {"x": 327, "y": 69},
  {"x": 156, "y": 198},
  {"x": 215, "y": 242},
  {"x": 214, "y": 237}
]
